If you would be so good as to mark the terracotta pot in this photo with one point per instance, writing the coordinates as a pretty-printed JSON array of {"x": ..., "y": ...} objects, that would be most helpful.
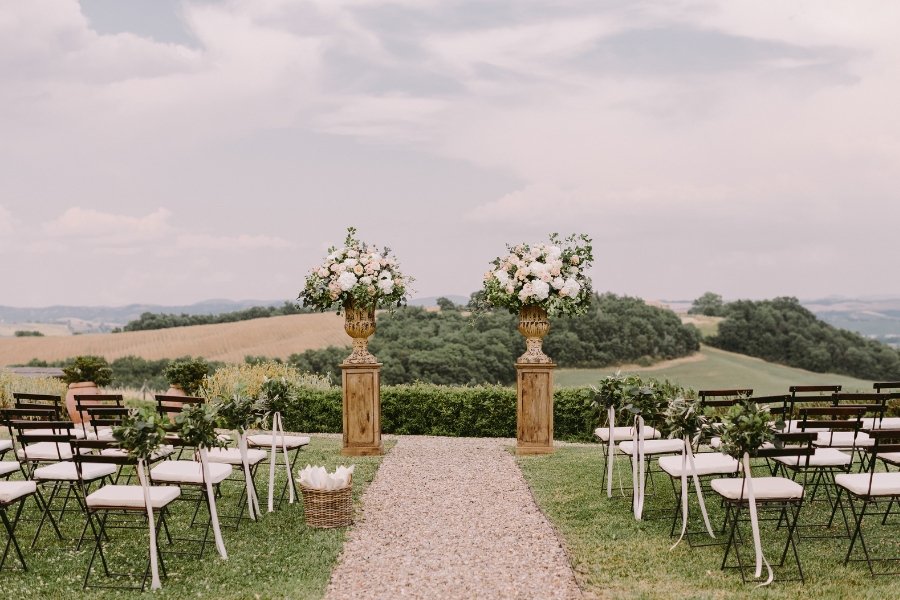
[
  {"x": 534, "y": 325},
  {"x": 175, "y": 390},
  {"x": 359, "y": 323},
  {"x": 86, "y": 388}
]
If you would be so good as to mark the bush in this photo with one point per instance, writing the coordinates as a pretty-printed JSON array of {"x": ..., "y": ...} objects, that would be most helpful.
[
  {"x": 13, "y": 382},
  {"x": 88, "y": 368},
  {"x": 187, "y": 373},
  {"x": 250, "y": 378},
  {"x": 25, "y": 333},
  {"x": 782, "y": 331}
]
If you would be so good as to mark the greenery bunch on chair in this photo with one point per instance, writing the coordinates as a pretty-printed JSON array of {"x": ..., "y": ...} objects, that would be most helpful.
[
  {"x": 746, "y": 427},
  {"x": 612, "y": 392},
  {"x": 645, "y": 400},
  {"x": 277, "y": 393},
  {"x": 89, "y": 368},
  {"x": 196, "y": 425},
  {"x": 685, "y": 418},
  {"x": 141, "y": 433},
  {"x": 240, "y": 411}
]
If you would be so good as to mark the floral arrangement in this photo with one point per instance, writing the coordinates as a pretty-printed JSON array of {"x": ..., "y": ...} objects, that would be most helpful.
[
  {"x": 551, "y": 276},
  {"x": 142, "y": 432},
  {"x": 685, "y": 418},
  {"x": 356, "y": 275}
]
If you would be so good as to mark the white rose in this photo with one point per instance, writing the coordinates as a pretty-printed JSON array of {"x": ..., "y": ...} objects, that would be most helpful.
[
  {"x": 386, "y": 285},
  {"x": 558, "y": 283},
  {"x": 347, "y": 280},
  {"x": 541, "y": 289},
  {"x": 323, "y": 272},
  {"x": 385, "y": 275},
  {"x": 573, "y": 270},
  {"x": 350, "y": 262},
  {"x": 537, "y": 267},
  {"x": 335, "y": 268},
  {"x": 510, "y": 289},
  {"x": 502, "y": 277},
  {"x": 366, "y": 280},
  {"x": 536, "y": 251},
  {"x": 352, "y": 253},
  {"x": 554, "y": 252}
]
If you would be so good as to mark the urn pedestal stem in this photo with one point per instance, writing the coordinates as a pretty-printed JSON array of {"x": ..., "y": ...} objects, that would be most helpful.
[
  {"x": 361, "y": 386},
  {"x": 534, "y": 386}
]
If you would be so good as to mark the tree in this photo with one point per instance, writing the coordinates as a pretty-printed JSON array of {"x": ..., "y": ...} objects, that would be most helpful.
[{"x": 708, "y": 304}]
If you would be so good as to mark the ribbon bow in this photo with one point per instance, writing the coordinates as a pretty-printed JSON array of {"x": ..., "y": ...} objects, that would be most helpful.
[
  {"x": 213, "y": 513},
  {"x": 276, "y": 424},
  {"x": 687, "y": 462},
  {"x": 252, "y": 499},
  {"x": 148, "y": 504},
  {"x": 754, "y": 524}
]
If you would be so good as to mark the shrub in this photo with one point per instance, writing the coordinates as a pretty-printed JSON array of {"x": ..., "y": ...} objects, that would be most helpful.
[
  {"x": 188, "y": 374},
  {"x": 250, "y": 378},
  {"x": 89, "y": 368},
  {"x": 25, "y": 333},
  {"x": 13, "y": 382}
]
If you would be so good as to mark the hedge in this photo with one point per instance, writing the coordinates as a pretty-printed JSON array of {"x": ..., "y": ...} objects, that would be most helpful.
[{"x": 456, "y": 411}]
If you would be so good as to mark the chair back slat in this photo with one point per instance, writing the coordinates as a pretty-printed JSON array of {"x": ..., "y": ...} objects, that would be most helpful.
[
  {"x": 97, "y": 446},
  {"x": 724, "y": 393},
  {"x": 886, "y": 385},
  {"x": 806, "y": 389}
]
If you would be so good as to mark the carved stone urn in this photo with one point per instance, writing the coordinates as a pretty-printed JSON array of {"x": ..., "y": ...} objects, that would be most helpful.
[
  {"x": 359, "y": 323},
  {"x": 534, "y": 325}
]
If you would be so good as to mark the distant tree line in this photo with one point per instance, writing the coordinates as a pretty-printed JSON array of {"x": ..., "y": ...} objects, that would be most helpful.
[
  {"x": 450, "y": 347},
  {"x": 150, "y": 320},
  {"x": 782, "y": 331},
  {"x": 26, "y": 333}
]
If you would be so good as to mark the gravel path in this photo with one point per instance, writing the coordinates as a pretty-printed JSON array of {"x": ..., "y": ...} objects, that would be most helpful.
[{"x": 451, "y": 518}]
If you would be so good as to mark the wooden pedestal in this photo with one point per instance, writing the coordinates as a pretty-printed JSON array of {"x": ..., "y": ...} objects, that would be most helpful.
[
  {"x": 362, "y": 410},
  {"x": 534, "y": 417}
]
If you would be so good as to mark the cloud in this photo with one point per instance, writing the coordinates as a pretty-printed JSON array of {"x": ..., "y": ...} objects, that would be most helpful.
[
  {"x": 242, "y": 242},
  {"x": 105, "y": 228},
  {"x": 6, "y": 220}
]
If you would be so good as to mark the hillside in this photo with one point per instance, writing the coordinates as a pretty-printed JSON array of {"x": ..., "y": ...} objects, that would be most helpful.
[
  {"x": 720, "y": 369},
  {"x": 230, "y": 342}
]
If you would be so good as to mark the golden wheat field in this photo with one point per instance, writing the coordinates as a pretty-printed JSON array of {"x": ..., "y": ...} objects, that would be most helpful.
[{"x": 273, "y": 337}]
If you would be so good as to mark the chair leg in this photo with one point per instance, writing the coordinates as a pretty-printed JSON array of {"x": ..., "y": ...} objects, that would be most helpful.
[{"x": 11, "y": 533}]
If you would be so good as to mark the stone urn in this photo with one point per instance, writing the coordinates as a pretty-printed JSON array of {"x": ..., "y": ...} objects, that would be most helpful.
[
  {"x": 359, "y": 323},
  {"x": 534, "y": 325},
  {"x": 84, "y": 388}
]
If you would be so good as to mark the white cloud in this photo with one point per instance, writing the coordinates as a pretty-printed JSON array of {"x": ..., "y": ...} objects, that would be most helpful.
[
  {"x": 105, "y": 228},
  {"x": 241, "y": 242}
]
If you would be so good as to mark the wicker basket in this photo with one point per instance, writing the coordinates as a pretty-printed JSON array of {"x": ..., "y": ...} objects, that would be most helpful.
[{"x": 328, "y": 508}]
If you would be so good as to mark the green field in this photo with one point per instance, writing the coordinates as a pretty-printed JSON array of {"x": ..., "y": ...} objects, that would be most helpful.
[{"x": 724, "y": 370}]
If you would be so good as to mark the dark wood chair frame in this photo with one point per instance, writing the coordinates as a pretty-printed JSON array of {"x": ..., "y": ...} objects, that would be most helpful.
[
  {"x": 881, "y": 445},
  {"x": 787, "y": 510},
  {"x": 26, "y": 401},
  {"x": 83, "y": 404},
  {"x": 10, "y": 526}
]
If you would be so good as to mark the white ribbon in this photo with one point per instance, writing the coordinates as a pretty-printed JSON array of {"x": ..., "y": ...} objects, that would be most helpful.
[
  {"x": 276, "y": 423},
  {"x": 637, "y": 467},
  {"x": 611, "y": 452},
  {"x": 252, "y": 499},
  {"x": 154, "y": 568},
  {"x": 754, "y": 524},
  {"x": 213, "y": 514},
  {"x": 687, "y": 462}
]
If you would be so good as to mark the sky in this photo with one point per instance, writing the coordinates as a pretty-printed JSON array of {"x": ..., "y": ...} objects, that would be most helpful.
[{"x": 172, "y": 151}]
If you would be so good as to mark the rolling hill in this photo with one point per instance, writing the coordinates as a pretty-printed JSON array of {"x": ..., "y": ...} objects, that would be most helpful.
[
  {"x": 721, "y": 370},
  {"x": 230, "y": 342}
]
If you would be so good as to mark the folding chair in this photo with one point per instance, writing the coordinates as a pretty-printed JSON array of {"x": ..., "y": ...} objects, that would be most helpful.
[
  {"x": 864, "y": 490},
  {"x": 189, "y": 473},
  {"x": 892, "y": 389},
  {"x": 117, "y": 499},
  {"x": 620, "y": 434},
  {"x": 13, "y": 493},
  {"x": 779, "y": 494},
  {"x": 873, "y": 405},
  {"x": 232, "y": 456},
  {"x": 293, "y": 443},
  {"x": 39, "y": 401},
  {"x": 83, "y": 405}
]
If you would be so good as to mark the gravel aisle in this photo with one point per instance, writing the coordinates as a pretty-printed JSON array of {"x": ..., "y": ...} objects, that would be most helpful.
[{"x": 451, "y": 518}]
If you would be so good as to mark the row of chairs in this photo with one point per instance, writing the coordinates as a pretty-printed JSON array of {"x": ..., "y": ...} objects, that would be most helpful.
[
  {"x": 81, "y": 467},
  {"x": 824, "y": 437}
]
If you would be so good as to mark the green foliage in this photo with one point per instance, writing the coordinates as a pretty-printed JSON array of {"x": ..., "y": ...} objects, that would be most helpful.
[
  {"x": 132, "y": 371},
  {"x": 784, "y": 332},
  {"x": 610, "y": 391},
  {"x": 142, "y": 432},
  {"x": 150, "y": 320},
  {"x": 685, "y": 417},
  {"x": 746, "y": 428},
  {"x": 89, "y": 368},
  {"x": 324, "y": 362},
  {"x": 239, "y": 411},
  {"x": 24, "y": 333},
  {"x": 187, "y": 373},
  {"x": 196, "y": 425},
  {"x": 277, "y": 392},
  {"x": 708, "y": 304}
]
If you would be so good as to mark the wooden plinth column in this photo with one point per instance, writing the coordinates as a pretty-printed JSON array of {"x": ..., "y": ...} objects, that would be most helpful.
[
  {"x": 534, "y": 417},
  {"x": 362, "y": 410}
]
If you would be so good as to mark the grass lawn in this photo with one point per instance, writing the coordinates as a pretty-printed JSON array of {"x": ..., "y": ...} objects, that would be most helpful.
[
  {"x": 616, "y": 556},
  {"x": 724, "y": 370},
  {"x": 277, "y": 557}
]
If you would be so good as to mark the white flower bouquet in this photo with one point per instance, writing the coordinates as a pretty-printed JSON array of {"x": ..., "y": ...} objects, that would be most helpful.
[
  {"x": 356, "y": 275},
  {"x": 550, "y": 276}
]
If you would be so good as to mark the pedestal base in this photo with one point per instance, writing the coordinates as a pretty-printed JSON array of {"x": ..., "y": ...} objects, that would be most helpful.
[
  {"x": 362, "y": 409},
  {"x": 534, "y": 415}
]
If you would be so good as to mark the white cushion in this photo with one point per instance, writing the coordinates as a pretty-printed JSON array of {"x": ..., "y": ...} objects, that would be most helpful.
[
  {"x": 66, "y": 471},
  {"x": 891, "y": 457},
  {"x": 131, "y": 496},
  {"x": 75, "y": 432},
  {"x": 843, "y": 439},
  {"x": 188, "y": 471},
  {"x": 8, "y": 466},
  {"x": 654, "y": 446},
  {"x": 45, "y": 451},
  {"x": 705, "y": 463},
  {"x": 232, "y": 456},
  {"x": 11, "y": 490},
  {"x": 824, "y": 457},
  {"x": 102, "y": 433},
  {"x": 621, "y": 434},
  {"x": 883, "y": 484},
  {"x": 163, "y": 451},
  {"x": 764, "y": 488},
  {"x": 291, "y": 441},
  {"x": 886, "y": 423},
  {"x": 794, "y": 427},
  {"x": 5, "y": 445}
]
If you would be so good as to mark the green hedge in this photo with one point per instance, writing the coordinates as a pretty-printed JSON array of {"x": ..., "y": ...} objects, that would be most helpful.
[{"x": 458, "y": 411}]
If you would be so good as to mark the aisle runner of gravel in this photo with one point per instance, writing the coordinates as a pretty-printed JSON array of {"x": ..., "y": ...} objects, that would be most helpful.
[{"x": 451, "y": 518}]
